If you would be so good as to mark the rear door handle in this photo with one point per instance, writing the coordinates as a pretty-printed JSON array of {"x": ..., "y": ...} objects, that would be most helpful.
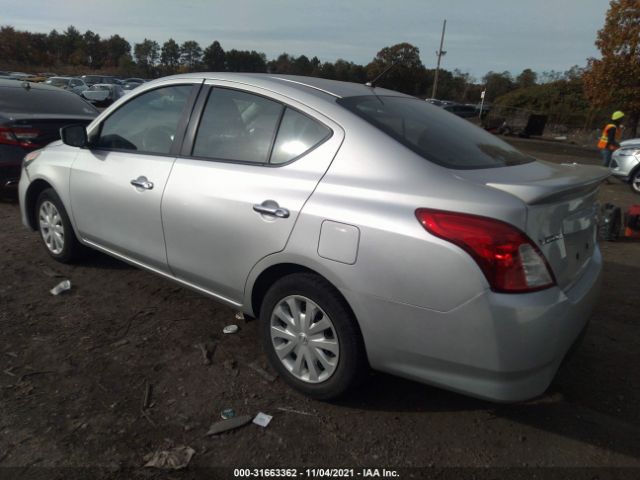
[
  {"x": 142, "y": 182},
  {"x": 270, "y": 207}
]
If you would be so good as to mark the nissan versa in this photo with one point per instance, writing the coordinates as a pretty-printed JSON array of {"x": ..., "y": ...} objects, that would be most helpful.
[{"x": 363, "y": 227}]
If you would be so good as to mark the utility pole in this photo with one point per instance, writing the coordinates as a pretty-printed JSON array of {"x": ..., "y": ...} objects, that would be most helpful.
[{"x": 440, "y": 53}]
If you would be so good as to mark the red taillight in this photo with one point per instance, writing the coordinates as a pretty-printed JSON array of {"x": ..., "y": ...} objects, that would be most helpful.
[
  {"x": 510, "y": 261},
  {"x": 23, "y": 137}
]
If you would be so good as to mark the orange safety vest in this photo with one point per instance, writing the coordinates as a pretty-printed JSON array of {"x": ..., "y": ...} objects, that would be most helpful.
[{"x": 604, "y": 139}]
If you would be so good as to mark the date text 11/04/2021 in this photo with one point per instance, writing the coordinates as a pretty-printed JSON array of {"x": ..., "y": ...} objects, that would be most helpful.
[{"x": 315, "y": 473}]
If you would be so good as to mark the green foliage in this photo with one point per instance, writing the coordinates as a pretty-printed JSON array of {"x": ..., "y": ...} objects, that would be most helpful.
[
  {"x": 563, "y": 100},
  {"x": 190, "y": 55},
  {"x": 170, "y": 56},
  {"x": 246, "y": 61},
  {"x": 214, "y": 57},
  {"x": 614, "y": 79}
]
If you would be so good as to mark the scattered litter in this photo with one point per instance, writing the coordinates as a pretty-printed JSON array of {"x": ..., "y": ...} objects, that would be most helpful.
[
  {"x": 561, "y": 137},
  {"x": 174, "y": 459},
  {"x": 262, "y": 372},
  {"x": 231, "y": 424},
  {"x": 299, "y": 412},
  {"x": 146, "y": 400},
  {"x": 207, "y": 349},
  {"x": 262, "y": 419},
  {"x": 120, "y": 343},
  {"x": 228, "y": 413},
  {"x": 9, "y": 371},
  {"x": 230, "y": 329},
  {"x": 239, "y": 316},
  {"x": 63, "y": 286}
]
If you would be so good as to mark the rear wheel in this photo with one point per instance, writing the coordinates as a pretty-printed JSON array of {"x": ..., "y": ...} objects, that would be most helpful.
[
  {"x": 311, "y": 338},
  {"x": 55, "y": 228}
]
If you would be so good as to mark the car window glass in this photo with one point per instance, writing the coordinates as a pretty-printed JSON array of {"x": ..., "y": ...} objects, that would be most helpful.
[
  {"x": 237, "y": 126},
  {"x": 297, "y": 135},
  {"x": 434, "y": 133},
  {"x": 148, "y": 123}
]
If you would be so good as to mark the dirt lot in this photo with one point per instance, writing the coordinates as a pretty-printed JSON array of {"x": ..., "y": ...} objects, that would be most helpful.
[{"x": 74, "y": 371}]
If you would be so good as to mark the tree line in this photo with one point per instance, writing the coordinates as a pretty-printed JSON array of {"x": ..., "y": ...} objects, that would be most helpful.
[
  {"x": 610, "y": 82},
  {"x": 72, "y": 51}
]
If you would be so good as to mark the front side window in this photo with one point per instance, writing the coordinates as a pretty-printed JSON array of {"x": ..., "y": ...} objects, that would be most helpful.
[
  {"x": 237, "y": 126},
  {"x": 148, "y": 123},
  {"x": 433, "y": 133}
]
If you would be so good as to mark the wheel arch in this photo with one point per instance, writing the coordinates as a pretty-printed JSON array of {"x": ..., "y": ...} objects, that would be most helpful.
[
  {"x": 273, "y": 273},
  {"x": 31, "y": 197}
]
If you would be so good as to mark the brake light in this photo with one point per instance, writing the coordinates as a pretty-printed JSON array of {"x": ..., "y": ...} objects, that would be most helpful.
[
  {"x": 510, "y": 261},
  {"x": 24, "y": 137}
]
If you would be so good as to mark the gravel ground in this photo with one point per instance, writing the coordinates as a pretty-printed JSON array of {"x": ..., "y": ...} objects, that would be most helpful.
[{"x": 77, "y": 369}]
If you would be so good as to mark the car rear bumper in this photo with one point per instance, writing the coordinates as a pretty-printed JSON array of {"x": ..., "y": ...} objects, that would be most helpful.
[
  {"x": 10, "y": 165},
  {"x": 498, "y": 347}
]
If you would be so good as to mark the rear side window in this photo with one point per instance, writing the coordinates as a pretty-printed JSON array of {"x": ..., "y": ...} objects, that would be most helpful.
[
  {"x": 237, "y": 126},
  {"x": 434, "y": 134},
  {"x": 297, "y": 135},
  {"x": 39, "y": 100},
  {"x": 148, "y": 123}
]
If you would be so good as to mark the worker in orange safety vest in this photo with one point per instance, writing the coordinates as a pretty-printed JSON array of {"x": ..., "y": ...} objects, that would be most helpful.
[{"x": 610, "y": 139}]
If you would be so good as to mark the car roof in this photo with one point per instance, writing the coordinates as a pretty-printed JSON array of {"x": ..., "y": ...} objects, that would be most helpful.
[{"x": 311, "y": 85}]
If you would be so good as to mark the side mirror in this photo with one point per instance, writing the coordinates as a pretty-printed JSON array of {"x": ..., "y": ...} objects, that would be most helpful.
[{"x": 74, "y": 135}]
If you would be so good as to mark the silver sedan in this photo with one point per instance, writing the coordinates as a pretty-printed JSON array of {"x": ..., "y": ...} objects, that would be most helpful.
[
  {"x": 363, "y": 227},
  {"x": 625, "y": 163}
]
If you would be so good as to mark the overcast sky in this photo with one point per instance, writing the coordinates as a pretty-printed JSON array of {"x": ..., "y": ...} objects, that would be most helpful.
[{"x": 481, "y": 35}]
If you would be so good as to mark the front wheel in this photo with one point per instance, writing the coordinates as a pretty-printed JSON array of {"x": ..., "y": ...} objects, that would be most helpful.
[
  {"x": 55, "y": 228},
  {"x": 311, "y": 337},
  {"x": 634, "y": 181}
]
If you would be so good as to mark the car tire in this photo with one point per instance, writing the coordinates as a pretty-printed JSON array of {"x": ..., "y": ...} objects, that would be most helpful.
[
  {"x": 55, "y": 229},
  {"x": 634, "y": 181},
  {"x": 322, "y": 357}
]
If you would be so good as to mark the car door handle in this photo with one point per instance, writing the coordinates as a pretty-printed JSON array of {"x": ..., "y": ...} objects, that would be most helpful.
[
  {"x": 142, "y": 182},
  {"x": 269, "y": 207}
]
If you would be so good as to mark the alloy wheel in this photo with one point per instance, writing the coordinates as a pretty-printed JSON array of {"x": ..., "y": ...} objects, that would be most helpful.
[
  {"x": 304, "y": 339},
  {"x": 635, "y": 182},
  {"x": 51, "y": 227}
]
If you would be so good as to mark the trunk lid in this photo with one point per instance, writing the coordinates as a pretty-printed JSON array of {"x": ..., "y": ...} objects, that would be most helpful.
[{"x": 562, "y": 209}]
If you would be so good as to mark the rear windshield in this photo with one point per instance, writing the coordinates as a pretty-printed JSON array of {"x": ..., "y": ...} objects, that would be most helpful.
[
  {"x": 39, "y": 100},
  {"x": 433, "y": 133}
]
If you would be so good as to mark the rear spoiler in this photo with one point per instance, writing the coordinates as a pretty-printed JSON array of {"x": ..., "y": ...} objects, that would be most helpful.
[{"x": 569, "y": 180}]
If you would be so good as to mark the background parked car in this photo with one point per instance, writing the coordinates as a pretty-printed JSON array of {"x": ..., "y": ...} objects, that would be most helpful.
[
  {"x": 128, "y": 86},
  {"x": 103, "y": 94},
  {"x": 31, "y": 116},
  {"x": 74, "y": 85},
  {"x": 91, "y": 80},
  {"x": 461, "y": 110},
  {"x": 625, "y": 163}
]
